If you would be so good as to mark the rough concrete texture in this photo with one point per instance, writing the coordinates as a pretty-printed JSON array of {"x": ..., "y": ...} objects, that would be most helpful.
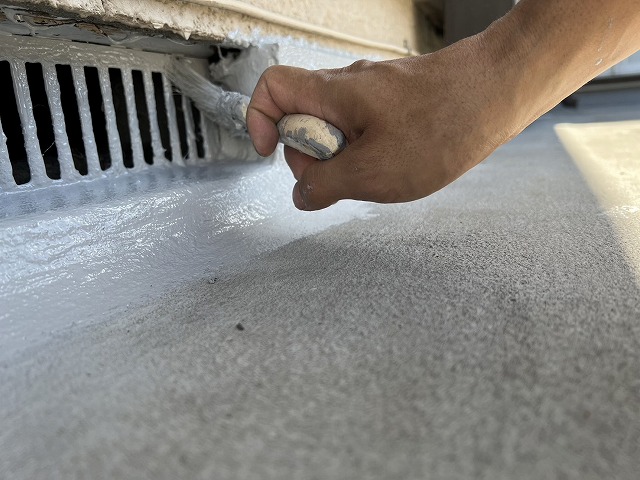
[
  {"x": 489, "y": 331},
  {"x": 80, "y": 7}
]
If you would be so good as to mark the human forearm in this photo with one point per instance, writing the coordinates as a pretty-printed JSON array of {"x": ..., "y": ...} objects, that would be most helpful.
[{"x": 547, "y": 49}]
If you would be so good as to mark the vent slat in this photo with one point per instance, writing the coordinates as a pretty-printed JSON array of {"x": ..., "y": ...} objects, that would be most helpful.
[
  {"x": 173, "y": 122},
  {"x": 134, "y": 125},
  {"x": 82, "y": 95},
  {"x": 191, "y": 130},
  {"x": 115, "y": 147},
  {"x": 152, "y": 108},
  {"x": 205, "y": 126},
  {"x": 29, "y": 130},
  {"x": 6, "y": 174},
  {"x": 65, "y": 157},
  {"x": 77, "y": 111}
]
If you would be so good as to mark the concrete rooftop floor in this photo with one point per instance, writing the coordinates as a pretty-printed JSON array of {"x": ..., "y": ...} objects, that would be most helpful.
[{"x": 489, "y": 331}]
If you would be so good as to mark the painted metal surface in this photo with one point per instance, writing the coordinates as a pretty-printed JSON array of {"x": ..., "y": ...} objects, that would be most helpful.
[
  {"x": 19, "y": 51},
  {"x": 84, "y": 252}
]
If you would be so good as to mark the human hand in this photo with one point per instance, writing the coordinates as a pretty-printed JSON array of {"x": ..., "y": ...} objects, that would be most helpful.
[
  {"x": 416, "y": 124},
  {"x": 413, "y": 125}
]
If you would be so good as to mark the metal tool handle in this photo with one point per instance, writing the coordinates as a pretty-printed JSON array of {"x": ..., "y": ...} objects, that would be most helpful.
[{"x": 311, "y": 135}]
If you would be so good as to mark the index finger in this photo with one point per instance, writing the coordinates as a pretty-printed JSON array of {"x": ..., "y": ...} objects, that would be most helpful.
[{"x": 281, "y": 90}]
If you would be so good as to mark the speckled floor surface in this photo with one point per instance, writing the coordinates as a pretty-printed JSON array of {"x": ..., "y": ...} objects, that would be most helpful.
[{"x": 489, "y": 331}]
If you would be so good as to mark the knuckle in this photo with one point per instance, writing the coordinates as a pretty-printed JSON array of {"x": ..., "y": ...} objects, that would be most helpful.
[
  {"x": 356, "y": 67},
  {"x": 362, "y": 64},
  {"x": 324, "y": 74},
  {"x": 269, "y": 73},
  {"x": 325, "y": 79},
  {"x": 275, "y": 74}
]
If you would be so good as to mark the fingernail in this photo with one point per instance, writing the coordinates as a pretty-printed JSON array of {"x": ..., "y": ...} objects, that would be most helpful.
[{"x": 298, "y": 201}]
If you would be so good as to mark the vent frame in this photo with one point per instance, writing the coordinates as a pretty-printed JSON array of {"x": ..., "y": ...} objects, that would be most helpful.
[{"x": 49, "y": 53}]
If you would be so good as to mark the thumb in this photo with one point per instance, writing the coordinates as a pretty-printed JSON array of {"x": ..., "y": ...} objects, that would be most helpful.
[{"x": 324, "y": 183}]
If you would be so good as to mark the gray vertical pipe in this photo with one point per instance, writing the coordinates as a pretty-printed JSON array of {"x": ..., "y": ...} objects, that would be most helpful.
[
  {"x": 29, "y": 129},
  {"x": 174, "y": 135},
  {"x": 65, "y": 157},
  {"x": 82, "y": 95},
  {"x": 115, "y": 147}
]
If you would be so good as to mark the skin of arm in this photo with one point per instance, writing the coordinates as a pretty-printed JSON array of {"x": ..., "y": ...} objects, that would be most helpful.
[{"x": 416, "y": 124}]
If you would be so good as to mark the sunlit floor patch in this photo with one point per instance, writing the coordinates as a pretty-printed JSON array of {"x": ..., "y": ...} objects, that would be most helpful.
[{"x": 608, "y": 155}]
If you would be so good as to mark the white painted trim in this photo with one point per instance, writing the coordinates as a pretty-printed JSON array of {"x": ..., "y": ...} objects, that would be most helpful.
[{"x": 288, "y": 22}]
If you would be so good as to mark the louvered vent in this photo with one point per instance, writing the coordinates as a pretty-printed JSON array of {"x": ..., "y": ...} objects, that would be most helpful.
[{"x": 71, "y": 111}]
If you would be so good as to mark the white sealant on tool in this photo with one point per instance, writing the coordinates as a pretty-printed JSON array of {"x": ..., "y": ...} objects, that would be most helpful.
[{"x": 306, "y": 133}]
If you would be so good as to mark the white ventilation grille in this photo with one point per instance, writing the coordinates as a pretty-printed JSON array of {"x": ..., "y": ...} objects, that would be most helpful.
[{"x": 73, "y": 111}]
